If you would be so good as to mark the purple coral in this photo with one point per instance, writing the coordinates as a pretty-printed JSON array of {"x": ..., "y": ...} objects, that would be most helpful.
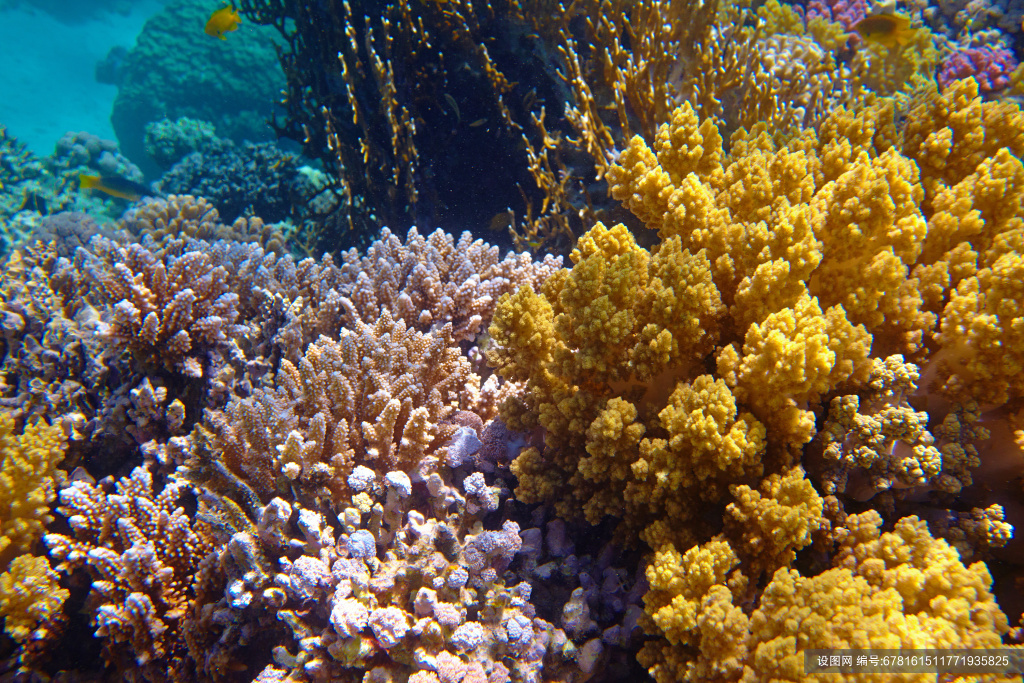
[
  {"x": 361, "y": 544},
  {"x": 846, "y": 12},
  {"x": 463, "y": 445},
  {"x": 389, "y": 625},
  {"x": 468, "y": 637},
  {"x": 991, "y": 67}
]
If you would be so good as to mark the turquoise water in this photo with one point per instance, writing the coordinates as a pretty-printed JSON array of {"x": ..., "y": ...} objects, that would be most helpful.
[{"x": 49, "y": 85}]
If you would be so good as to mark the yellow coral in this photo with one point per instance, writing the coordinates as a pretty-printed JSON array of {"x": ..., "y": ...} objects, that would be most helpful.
[
  {"x": 902, "y": 589},
  {"x": 29, "y": 596},
  {"x": 678, "y": 582},
  {"x": 859, "y": 236},
  {"x": 795, "y": 356},
  {"x": 950, "y": 134},
  {"x": 982, "y": 333},
  {"x": 775, "y": 522},
  {"x": 602, "y": 346},
  {"x": 708, "y": 444},
  {"x": 28, "y": 480}
]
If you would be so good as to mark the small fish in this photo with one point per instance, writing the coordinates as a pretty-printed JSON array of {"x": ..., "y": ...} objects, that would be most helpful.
[
  {"x": 116, "y": 186},
  {"x": 890, "y": 30},
  {"x": 224, "y": 20},
  {"x": 454, "y": 106},
  {"x": 501, "y": 221},
  {"x": 478, "y": 123}
]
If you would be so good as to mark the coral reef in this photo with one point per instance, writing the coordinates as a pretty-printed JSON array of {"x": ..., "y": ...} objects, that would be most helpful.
[
  {"x": 772, "y": 403},
  {"x": 168, "y": 142},
  {"x": 87, "y": 153},
  {"x": 790, "y": 269},
  {"x": 176, "y": 70},
  {"x": 247, "y": 179}
]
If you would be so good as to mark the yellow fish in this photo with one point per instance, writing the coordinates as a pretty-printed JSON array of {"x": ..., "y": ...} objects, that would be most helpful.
[
  {"x": 889, "y": 30},
  {"x": 224, "y": 20},
  {"x": 115, "y": 186}
]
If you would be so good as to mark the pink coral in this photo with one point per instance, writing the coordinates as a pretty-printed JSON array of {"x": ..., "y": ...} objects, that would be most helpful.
[{"x": 991, "y": 67}]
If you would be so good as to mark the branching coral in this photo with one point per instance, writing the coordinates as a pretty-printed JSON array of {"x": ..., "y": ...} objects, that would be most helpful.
[
  {"x": 31, "y": 599},
  {"x": 378, "y": 396},
  {"x": 897, "y": 589},
  {"x": 164, "y": 307},
  {"x": 47, "y": 363},
  {"x": 431, "y": 281},
  {"x": 143, "y": 553},
  {"x": 180, "y": 216},
  {"x": 28, "y": 481}
]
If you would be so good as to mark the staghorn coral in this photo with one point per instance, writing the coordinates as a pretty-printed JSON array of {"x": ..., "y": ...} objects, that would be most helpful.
[
  {"x": 166, "y": 308},
  {"x": 425, "y": 282},
  {"x": 47, "y": 364},
  {"x": 28, "y": 481},
  {"x": 433, "y": 280},
  {"x": 378, "y": 396},
  {"x": 142, "y": 551}
]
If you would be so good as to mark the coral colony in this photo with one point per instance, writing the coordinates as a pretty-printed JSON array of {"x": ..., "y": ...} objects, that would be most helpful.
[{"x": 751, "y": 383}]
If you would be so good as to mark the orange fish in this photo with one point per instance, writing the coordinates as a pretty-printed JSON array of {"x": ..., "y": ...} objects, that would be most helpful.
[
  {"x": 224, "y": 20},
  {"x": 889, "y": 30}
]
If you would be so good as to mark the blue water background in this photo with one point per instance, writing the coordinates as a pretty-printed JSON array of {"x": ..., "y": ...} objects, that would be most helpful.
[{"x": 47, "y": 70}]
